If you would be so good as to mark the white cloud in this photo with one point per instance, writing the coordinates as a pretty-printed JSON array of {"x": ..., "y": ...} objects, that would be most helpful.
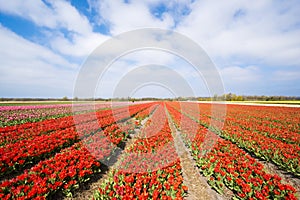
[
  {"x": 237, "y": 75},
  {"x": 67, "y": 16},
  {"x": 241, "y": 80},
  {"x": 19, "y": 50},
  {"x": 33, "y": 10},
  {"x": 123, "y": 17},
  {"x": 32, "y": 67},
  {"x": 79, "y": 45},
  {"x": 262, "y": 32},
  {"x": 60, "y": 14},
  {"x": 80, "y": 41}
]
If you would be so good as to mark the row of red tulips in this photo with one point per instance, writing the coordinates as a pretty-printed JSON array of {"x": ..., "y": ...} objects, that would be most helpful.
[
  {"x": 258, "y": 119},
  {"x": 11, "y": 134},
  {"x": 284, "y": 155},
  {"x": 165, "y": 183},
  {"x": 14, "y": 115},
  {"x": 155, "y": 123},
  {"x": 265, "y": 128},
  {"x": 225, "y": 164},
  {"x": 155, "y": 134},
  {"x": 17, "y": 155},
  {"x": 153, "y": 172},
  {"x": 145, "y": 113},
  {"x": 64, "y": 171},
  {"x": 150, "y": 144},
  {"x": 280, "y": 117},
  {"x": 48, "y": 125},
  {"x": 284, "y": 119},
  {"x": 67, "y": 169}
]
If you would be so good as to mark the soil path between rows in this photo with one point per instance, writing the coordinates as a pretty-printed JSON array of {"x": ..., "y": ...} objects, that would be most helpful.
[{"x": 196, "y": 183}]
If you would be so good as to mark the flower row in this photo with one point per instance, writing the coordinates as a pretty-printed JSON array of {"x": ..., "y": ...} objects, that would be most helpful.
[
  {"x": 283, "y": 154},
  {"x": 225, "y": 164},
  {"x": 64, "y": 171},
  {"x": 144, "y": 174},
  {"x": 67, "y": 169},
  {"x": 18, "y": 115},
  {"x": 17, "y": 155}
]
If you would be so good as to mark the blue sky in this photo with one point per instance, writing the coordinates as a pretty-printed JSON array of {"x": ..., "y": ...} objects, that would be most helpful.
[{"x": 255, "y": 46}]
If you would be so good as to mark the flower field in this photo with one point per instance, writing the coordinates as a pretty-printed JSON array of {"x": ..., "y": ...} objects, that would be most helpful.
[{"x": 51, "y": 151}]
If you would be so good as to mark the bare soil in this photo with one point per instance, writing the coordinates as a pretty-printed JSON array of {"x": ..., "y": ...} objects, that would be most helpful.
[{"x": 198, "y": 187}]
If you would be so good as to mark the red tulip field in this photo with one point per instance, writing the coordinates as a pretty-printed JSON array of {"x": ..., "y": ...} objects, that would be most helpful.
[{"x": 131, "y": 151}]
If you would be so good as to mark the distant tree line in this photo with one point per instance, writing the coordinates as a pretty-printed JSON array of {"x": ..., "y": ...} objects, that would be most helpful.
[
  {"x": 234, "y": 97},
  {"x": 224, "y": 97}
]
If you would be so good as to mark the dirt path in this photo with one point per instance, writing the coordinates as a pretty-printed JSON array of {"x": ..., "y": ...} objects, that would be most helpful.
[{"x": 196, "y": 183}]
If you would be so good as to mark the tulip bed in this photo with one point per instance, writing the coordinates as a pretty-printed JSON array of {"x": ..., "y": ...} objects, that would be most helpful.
[
  {"x": 225, "y": 164},
  {"x": 274, "y": 122},
  {"x": 165, "y": 183},
  {"x": 13, "y": 115},
  {"x": 50, "y": 153},
  {"x": 264, "y": 144},
  {"x": 64, "y": 171},
  {"x": 16, "y": 155},
  {"x": 71, "y": 165},
  {"x": 155, "y": 134},
  {"x": 143, "y": 114},
  {"x": 12, "y": 134},
  {"x": 149, "y": 168}
]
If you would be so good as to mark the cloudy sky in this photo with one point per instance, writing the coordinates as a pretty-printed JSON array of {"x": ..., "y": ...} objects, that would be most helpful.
[{"x": 255, "y": 46}]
